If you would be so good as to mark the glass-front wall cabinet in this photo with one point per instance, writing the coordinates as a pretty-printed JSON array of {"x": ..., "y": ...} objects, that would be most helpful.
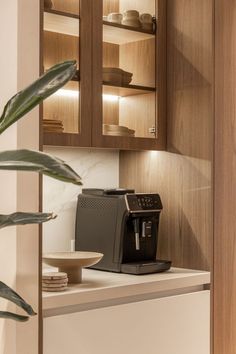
[
  {"x": 113, "y": 100},
  {"x": 129, "y": 68}
]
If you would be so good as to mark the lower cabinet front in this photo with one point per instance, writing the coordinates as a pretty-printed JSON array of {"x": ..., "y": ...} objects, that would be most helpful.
[{"x": 169, "y": 325}]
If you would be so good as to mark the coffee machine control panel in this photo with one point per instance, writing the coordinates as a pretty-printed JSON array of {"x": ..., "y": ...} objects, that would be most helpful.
[{"x": 143, "y": 202}]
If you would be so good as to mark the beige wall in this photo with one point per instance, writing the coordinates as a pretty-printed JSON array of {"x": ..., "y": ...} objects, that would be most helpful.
[
  {"x": 8, "y": 180},
  {"x": 28, "y": 246},
  {"x": 19, "y": 63}
]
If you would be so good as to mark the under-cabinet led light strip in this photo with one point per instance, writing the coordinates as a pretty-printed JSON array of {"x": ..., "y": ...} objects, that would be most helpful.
[{"x": 73, "y": 93}]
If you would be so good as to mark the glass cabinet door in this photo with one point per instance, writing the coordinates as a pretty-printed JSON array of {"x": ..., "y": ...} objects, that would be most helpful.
[
  {"x": 63, "y": 40},
  {"x": 130, "y": 109},
  {"x": 129, "y": 68}
]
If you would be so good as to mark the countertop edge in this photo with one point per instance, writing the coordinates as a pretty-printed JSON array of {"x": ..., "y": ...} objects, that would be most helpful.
[{"x": 74, "y": 297}]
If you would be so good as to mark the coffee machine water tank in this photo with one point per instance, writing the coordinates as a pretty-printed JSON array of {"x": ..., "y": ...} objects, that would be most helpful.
[{"x": 123, "y": 225}]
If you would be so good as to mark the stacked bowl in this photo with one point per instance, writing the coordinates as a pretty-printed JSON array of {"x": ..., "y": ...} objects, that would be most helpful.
[{"x": 54, "y": 281}]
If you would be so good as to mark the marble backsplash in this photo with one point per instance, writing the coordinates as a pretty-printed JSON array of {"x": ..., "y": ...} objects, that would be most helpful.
[{"x": 97, "y": 168}]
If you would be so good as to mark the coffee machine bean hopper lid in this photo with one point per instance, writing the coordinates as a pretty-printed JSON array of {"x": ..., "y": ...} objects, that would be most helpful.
[{"x": 115, "y": 191}]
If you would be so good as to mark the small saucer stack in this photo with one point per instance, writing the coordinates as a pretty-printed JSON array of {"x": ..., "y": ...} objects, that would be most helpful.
[{"x": 54, "y": 281}]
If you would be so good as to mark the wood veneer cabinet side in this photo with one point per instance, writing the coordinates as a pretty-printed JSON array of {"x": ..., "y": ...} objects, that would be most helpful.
[
  {"x": 224, "y": 286},
  {"x": 183, "y": 175}
]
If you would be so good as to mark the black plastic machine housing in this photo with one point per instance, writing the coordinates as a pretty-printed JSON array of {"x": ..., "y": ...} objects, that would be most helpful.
[{"x": 123, "y": 226}]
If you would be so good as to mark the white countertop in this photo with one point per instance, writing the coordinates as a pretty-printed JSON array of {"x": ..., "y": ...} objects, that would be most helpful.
[{"x": 101, "y": 289}]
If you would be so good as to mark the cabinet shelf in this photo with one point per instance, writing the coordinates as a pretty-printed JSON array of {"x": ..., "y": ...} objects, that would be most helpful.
[
  {"x": 65, "y": 23},
  {"x": 61, "y": 22},
  {"x": 126, "y": 90},
  {"x": 61, "y": 13},
  {"x": 122, "y": 91},
  {"x": 121, "y": 34}
]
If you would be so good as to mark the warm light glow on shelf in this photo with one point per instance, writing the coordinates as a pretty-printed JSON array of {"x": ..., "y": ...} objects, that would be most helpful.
[
  {"x": 153, "y": 153},
  {"x": 74, "y": 93},
  {"x": 67, "y": 93},
  {"x": 110, "y": 98}
]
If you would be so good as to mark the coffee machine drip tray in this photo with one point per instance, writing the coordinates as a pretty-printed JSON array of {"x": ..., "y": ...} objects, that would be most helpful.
[{"x": 148, "y": 267}]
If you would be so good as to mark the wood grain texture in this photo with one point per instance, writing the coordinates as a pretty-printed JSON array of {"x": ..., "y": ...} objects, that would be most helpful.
[
  {"x": 72, "y": 6},
  {"x": 183, "y": 178},
  {"x": 121, "y": 34},
  {"x": 64, "y": 108},
  {"x": 110, "y": 6},
  {"x": 190, "y": 72},
  {"x": 139, "y": 58},
  {"x": 139, "y": 113},
  {"x": 111, "y": 55},
  {"x": 225, "y": 175},
  {"x": 58, "y": 47},
  {"x": 147, "y": 6},
  {"x": 184, "y": 184}
]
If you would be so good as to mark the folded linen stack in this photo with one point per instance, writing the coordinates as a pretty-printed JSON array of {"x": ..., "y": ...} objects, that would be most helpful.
[
  {"x": 116, "y": 76},
  {"x": 53, "y": 126},
  {"x": 54, "y": 281},
  {"x": 117, "y": 130}
]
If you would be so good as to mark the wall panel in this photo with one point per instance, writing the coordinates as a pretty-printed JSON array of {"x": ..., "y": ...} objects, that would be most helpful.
[
  {"x": 183, "y": 175},
  {"x": 225, "y": 175}
]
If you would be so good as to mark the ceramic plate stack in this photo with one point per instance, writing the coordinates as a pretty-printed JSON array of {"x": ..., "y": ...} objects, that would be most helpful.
[
  {"x": 54, "y": 281},
  {"x": 117, "y": 76},
  {"x": 117, "y": 130},
  {"x": 53, "y": 126}
]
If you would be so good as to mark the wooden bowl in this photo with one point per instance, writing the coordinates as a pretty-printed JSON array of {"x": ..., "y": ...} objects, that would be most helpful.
[{"x": 72, "y": 262}]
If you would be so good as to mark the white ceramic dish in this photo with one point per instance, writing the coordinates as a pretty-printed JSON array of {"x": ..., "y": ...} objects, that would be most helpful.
[
  {"x": 72, "y": 262},
  {"x": 132, "y": 23},
  {"x": 131, "y": 14},
  {"x": 115, "y": 17}
]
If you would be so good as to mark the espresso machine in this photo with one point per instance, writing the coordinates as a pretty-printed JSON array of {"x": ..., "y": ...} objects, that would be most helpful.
[{"x": 123, "y": 225}]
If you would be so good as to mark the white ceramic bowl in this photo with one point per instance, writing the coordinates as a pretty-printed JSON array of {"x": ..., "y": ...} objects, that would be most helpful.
[
  {"x": 131, "y": 15},
  {"x": 131, "y": 23},
  {"x": 115, "y": 17}
]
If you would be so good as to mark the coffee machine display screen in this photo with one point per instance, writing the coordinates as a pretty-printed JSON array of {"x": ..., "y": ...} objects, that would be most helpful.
[{"x": 138, "y": 202}]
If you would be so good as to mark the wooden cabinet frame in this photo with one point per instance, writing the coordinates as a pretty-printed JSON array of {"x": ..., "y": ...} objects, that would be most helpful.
[
  {"x": 100, "y": 140},
  {"x": 83, "y": 138},
  {"x": 91, "y": 117}
]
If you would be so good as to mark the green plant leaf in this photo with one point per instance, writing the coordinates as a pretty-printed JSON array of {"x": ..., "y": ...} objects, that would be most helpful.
[
  {"x": 28, "y": 160},
  {"x": 9, "y": 294},
  {"x": 30, "y": 97},
  {"x": 13, "y": 316},
  {"x": 20, "y": 218}
]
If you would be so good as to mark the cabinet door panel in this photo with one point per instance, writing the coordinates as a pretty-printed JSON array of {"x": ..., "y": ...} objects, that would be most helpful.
[
  {"x": 129, "y": 74},
  {"x": 66, "y": 35},
  {"x": 171, "y": 325}
]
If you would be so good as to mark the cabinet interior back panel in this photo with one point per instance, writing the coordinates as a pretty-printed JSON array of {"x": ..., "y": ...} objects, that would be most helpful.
[
  {"x": 139, "y": 58},
  {"x": 71, "y": 6},
  {"x": 59, "y": 47},
  {"x": 110, "y": 6},
  {"x": 147, "y": 6}
]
